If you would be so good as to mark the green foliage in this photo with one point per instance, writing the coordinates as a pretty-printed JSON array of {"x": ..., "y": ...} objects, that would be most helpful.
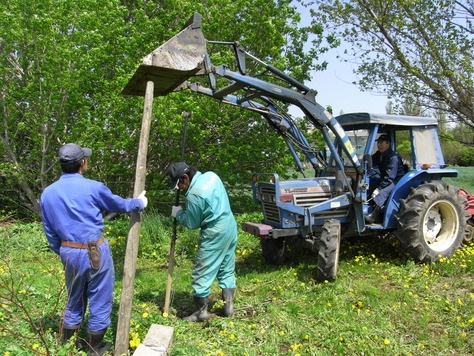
[
  {"x": 404, "y": 149},
  {"x": 466, "y": 156},
  {"x": 451, "y": 150},
  {"x": 63, "y": 65}
]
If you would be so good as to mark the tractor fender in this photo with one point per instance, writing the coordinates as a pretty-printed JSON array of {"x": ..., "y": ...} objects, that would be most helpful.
[{"x": 402, "y": 189}]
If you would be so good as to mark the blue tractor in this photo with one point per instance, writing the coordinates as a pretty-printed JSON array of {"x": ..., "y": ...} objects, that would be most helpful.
[{"x": 424, "y": 212}]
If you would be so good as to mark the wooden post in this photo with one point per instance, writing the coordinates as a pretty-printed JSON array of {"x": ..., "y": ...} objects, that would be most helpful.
[{"x": 130, "y": 263}]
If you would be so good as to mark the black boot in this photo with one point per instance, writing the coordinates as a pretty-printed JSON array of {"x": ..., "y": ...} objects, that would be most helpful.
[
  {"x": 373, "y": 215},
  {"x": 201, "y": 313},
  {"x": 68, "y": 332},
  {"x": 97, "y": 347},
  {"x": 228, "y": 298}
]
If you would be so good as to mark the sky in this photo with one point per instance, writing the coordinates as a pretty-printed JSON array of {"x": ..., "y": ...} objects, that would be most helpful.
[{"x": 335, "y": 88}]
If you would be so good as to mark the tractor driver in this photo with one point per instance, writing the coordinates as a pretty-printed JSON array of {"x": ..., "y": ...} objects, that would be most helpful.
[
  {"x": 391, "y": 171},
  {"x": 207, "y": 208}
]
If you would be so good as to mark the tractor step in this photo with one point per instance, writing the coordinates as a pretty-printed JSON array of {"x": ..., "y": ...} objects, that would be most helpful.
[{"x": 256, "y": 229}]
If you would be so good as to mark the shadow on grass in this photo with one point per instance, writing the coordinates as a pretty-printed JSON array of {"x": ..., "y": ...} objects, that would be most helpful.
[{"x": 386, "y": 250}]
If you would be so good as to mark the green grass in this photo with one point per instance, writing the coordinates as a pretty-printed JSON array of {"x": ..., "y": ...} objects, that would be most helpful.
[
  {"x": 465, "y": 178},
  {"x": 382, "y": 303}
]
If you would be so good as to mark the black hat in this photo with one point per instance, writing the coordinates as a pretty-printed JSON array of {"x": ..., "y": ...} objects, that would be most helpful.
[
  {"x": 175, "y": 172},
  {"x": 384, "y": 138},
  {"x": 71, "y": 152}
]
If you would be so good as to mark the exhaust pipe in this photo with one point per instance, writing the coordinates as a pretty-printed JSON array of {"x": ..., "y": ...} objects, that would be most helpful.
[{"x": 172, "y": 63}]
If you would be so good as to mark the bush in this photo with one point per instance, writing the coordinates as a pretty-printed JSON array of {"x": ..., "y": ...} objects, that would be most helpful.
[
  {"x": 466, "y": 157},
  {"x": 451, "y": 150}
]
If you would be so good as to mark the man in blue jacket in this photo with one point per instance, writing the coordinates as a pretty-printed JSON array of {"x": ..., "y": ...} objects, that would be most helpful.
[
  {"x": 391, "y": 171},
  {"x": 207, "y": 208},
  {"x": 72, "y": 219}
]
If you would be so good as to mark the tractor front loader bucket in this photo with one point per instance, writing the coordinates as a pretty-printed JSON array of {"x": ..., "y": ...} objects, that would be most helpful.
[{"x": 172, "y": 63}]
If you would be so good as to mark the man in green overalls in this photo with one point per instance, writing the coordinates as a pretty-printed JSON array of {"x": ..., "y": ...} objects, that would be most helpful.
[{"x": 208, "y": 208}]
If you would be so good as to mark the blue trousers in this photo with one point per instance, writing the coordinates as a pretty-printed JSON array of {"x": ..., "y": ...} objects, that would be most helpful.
[
  {"x": 384, "y": 193},
  {"x": 85, "y": 284}
]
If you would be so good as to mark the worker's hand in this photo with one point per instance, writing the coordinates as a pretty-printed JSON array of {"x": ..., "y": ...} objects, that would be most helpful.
[
  {"x": 143, "y": 198},
  {"x": 174, "y": 210},
  {"x": 375, "y": 192}
]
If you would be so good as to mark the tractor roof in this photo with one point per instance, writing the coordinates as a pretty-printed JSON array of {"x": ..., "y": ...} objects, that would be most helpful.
[{"x": 362, "y": 120}]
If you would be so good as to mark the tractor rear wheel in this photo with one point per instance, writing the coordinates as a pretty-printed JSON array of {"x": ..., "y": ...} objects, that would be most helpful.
[
  {"x": 432, "y": 221},
  {"x": 469, "y": 234},
  {"x": 274, "y": 250},
  {"x": 328, "y": 251}
]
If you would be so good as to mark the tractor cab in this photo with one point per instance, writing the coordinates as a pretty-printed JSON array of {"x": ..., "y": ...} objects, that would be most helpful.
[
  {"x": 416, "y": 141},
  {"x": 414, "y": 138}
]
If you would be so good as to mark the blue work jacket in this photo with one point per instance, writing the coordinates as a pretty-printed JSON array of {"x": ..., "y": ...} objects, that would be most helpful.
[{"x": 72, "y": 209}]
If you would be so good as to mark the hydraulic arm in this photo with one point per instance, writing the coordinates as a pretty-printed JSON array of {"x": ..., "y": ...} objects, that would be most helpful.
[{"x": 185, "y": 56}]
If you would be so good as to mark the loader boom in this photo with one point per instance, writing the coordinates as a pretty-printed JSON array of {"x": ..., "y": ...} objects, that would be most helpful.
[{"x": 185, "y": 56}]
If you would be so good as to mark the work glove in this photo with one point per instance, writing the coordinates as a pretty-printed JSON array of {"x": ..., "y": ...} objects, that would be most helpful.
[
  {"x": 143, "y": 198},
  {"x": 174, "y": 210},
  {"x": 375, "y": 192}
]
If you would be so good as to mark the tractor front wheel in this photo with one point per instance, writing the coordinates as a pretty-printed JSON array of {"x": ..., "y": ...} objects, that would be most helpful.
[
  {"x": 274, "y": 250},
  {"x": 432, "y": 221},
  {"x": 328, "y": 251}
]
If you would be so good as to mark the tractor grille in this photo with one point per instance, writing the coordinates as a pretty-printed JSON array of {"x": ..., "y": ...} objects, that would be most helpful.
[
  {"x": 311, "y": 199},
  {"x": 270, "y": 210},
  {"x": 272, "y": 213},
  {"x": 333, "y": 213}
]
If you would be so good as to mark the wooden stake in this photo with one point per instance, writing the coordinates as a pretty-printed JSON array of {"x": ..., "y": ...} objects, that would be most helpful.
[{"x": 130, "y": 263}]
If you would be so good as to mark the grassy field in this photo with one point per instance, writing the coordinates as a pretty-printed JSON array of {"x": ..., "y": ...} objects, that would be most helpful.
[
  {"x": 465, "y": 179},
  {"x": 382, "y": 303}
]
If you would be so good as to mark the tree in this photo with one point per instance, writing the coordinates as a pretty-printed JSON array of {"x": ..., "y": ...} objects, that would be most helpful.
[
  {"x": 64, "y": 63},
  {"x": 420, "y": 49}
]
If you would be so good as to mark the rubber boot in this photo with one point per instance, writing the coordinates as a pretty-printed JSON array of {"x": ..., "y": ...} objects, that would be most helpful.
[
  {"x": 373, "y": 215},
  {"x": 201, "y": 313},
  {"x": 95, "y": 343},
  {"x": 228, "y": 298},
  {"x": 68, "y": 332}
]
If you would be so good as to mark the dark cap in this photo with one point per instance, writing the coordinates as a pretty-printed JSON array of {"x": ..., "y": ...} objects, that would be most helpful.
[
  {"x": 71, "y": 152},
  {"x": 175, "y": 172},
  {"x": 384, "y": 138}
]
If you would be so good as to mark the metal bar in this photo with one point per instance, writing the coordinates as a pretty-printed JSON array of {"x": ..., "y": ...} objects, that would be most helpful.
[
  {"x": 266, "y": 301},
  {"x": 169, "y": 281}
]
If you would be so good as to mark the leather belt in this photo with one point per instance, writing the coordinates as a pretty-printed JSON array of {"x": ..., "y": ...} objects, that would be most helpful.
[{"x": 76, "y": 245}]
